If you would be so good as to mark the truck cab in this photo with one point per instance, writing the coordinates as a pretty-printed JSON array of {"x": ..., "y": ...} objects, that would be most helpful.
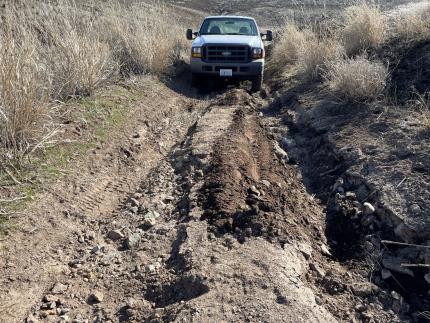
[{"x": 228, "y": 47}]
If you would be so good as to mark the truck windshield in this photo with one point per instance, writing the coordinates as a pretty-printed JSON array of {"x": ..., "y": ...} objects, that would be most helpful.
[{"x": 229, "y": 26}]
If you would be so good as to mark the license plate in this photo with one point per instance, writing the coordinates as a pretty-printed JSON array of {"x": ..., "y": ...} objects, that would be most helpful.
[{"x": 224, "y": 72}]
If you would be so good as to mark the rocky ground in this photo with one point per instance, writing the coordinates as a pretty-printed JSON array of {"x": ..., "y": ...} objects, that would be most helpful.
[{"x": 231, "y": 207}]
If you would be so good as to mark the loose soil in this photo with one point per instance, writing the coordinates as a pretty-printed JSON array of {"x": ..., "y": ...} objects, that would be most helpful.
[{"x": 230, "y": 207}]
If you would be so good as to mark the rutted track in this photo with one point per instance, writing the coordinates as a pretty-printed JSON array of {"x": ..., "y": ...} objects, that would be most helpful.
[{"x": 192, "y": 214}]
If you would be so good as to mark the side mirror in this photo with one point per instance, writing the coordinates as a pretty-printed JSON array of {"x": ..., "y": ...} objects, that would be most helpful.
[
  {"x": 269, "y": 35},
  {"x": 189, "y": 34}
]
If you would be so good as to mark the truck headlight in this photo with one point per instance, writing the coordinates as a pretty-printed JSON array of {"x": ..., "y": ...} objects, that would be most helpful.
[
  {"x": 196, "y": 52},
  {"x": 257, "y": 53}
]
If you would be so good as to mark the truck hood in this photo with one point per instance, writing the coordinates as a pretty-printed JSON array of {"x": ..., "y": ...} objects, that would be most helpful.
[{"x": 253, "y": 41}]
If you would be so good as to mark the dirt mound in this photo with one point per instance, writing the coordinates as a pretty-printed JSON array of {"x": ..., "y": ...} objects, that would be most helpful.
[{"x": 251, "y": 191}]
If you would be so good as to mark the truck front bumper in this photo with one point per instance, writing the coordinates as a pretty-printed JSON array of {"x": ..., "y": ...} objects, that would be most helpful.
[{"x": 198, "y": 66}]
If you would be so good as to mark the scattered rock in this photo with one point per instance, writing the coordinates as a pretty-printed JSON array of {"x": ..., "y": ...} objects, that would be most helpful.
[
  {"x": 151, "y": 269},
  {"x": 306, "y": 250},
  {"x": 96, "y": 297},
  {"x": 280, "y": 152},
  {"x": 325, "y": 250},
  {"x": 59, "y": 288},
  {"x": 115, "y": 235},
  {"x": 150, "y": 218},
  {"x": 317, "y": 269},
  {"x": 50, "y": 298},
  {"x": 397, "y": 302},
  {"x": 339, "y": 183},
  {"x": 415, "y": 209},
  {"x": 368, "y": 208},
  {"x": 364, "y": 289},
  {"x": 32, "y": 319},
  {"x": 133, "y": 240},
  {"x": 253, "y": 190},
  {"x": 134, "y": 209},
  {"x": 97, "y": 249},
  {"x": 134, "y": 202},
  {"x": 266, "y": 183}
]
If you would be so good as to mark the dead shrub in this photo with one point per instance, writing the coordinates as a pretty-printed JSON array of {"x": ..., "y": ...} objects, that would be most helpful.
[
  {"x": 356, "y": 79},
  {"x": 412, "y": 26},
  {"x": 315, "y": 54},
  {"x": 79, "y": 62},
  {"x": 288, "y": 46},
  {"x": 365, "y": 27},
  {"x": 306, "y": 50}
]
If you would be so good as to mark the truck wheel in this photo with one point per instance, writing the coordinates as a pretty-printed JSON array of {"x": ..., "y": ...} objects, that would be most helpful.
[{"x": 257, "y": 83}]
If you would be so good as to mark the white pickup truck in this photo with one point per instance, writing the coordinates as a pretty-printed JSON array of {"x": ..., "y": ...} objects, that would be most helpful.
[{"x": 228, "y": 47}]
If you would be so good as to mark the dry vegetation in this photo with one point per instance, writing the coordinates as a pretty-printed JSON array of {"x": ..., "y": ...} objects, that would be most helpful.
[
  {"x": 364, "y": 27},
  {"x": 341, "y": 56},
  {"x": 309, "y": 52},
  {"x": 423, "y": 103},
  {"x": 413, "y": 26},
  {"x": 357, "y": 79},
  {"x": 54, "y": 52}
]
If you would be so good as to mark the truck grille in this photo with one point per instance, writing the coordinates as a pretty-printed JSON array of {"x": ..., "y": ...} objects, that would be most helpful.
[{"x": 226, "y": 54}]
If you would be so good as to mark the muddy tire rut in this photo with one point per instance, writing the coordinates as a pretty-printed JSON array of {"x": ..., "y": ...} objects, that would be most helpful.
[{"x": 193, "y": 213}]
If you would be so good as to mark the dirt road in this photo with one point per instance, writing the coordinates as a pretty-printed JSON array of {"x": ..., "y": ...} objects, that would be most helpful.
[{"x": 192, "y": 212}]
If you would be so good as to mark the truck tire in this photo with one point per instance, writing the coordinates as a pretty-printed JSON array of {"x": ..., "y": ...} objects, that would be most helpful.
[{"x": 257, "y": 83}]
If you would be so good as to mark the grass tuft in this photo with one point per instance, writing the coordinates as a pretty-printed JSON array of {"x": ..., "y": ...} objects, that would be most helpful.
[
  {"x": 413, "y": 26},
  {"x": 365, "y": 27},
  {"x": 357, "y": 79}
]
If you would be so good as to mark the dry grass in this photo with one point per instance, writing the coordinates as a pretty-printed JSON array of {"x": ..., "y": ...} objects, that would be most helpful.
[
  {"x": 413, "y": 26},
  {"x": 365, "y": 27},
  {"x": 51, "y": 52},
  {"x": 306, "y": 50},
  {"x": 143, "y": 38},
  {"x": 24, "y": 88},
  {"x": 357, "y": 79},
  {"x": 316, "y": 54},
  {"x": 423, "y": 103},
  {"x": 289, "y": 45}
]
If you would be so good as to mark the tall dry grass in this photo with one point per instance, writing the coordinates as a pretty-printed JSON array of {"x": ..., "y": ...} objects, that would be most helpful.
[
  {"x": 412, "y": 26},
  {"x": 316, "y": 54},
  {"x": 357, "y": 79},
  {"x": 24, "y": 86},
  {"x": 308, "y": 51},
  {"x": 365, "y": 26},
  {"x": 423, "y": 104},
  {"x": 54, "y": 51}
]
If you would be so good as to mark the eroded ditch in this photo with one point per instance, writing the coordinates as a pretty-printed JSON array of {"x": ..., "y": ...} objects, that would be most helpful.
[{"x": 357, "y": 220}]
